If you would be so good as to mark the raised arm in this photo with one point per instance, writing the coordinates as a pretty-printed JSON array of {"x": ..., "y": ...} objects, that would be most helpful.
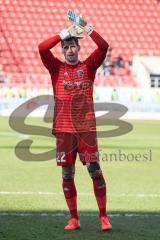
[
  {"x": 99, "y": 41},
  {"x": 48, "y": 59},
  {"x": 98, "y": 56}
]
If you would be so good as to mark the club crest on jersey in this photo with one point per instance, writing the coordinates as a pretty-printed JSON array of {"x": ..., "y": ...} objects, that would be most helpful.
[{"x": 80, "y": 72}]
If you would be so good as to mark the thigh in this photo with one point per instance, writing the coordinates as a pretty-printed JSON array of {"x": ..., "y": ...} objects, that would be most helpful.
[
  {"x": 66, "y": 148},
  {"x": 88, "y": 147}
]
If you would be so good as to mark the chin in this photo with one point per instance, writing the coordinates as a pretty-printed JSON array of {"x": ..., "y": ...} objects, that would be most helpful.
[{"x": 72, "y": 62}]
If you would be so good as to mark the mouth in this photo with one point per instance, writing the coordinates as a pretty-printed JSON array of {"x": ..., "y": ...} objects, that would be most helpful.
[{"x": 70, "y": 55}]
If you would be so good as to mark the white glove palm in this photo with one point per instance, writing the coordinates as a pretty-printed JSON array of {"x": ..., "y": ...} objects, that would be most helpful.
[
  {"x": 75, "y": 31},
  {"x": 72, "y": 31}
]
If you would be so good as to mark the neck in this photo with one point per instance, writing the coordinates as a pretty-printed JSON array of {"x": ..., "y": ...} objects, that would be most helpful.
[{"x": 72, "y": 63}]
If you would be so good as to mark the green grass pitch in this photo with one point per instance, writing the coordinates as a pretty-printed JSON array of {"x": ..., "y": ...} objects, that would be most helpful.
[{"x": 32, "y": 205}]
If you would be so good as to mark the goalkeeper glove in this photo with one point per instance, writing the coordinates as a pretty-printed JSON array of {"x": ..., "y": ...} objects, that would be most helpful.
[
  {"x": 79, "y": 21},
  {"x": 72, "y": 31}
]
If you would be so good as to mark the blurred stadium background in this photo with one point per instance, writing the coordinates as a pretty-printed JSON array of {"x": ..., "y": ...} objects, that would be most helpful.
[{"x": 130, "y": 75}]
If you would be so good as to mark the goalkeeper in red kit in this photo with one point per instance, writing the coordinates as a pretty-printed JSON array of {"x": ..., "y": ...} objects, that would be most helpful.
[{"x": 74, "y": 124}]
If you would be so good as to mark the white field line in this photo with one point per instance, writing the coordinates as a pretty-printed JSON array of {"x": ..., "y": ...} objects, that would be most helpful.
[
  {"x": 46, "y": 214},
  {"x": 139, "y": 195}
]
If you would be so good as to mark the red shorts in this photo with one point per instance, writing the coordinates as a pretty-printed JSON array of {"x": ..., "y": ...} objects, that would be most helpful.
[{"x": 69, "y": 144}]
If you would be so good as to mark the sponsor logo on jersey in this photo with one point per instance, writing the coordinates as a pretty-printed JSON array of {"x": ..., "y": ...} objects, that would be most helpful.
[{"x": 70, "y": 85}]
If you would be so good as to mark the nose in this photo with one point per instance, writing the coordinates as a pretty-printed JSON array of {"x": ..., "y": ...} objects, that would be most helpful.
[{"x": 70, "y": 49}]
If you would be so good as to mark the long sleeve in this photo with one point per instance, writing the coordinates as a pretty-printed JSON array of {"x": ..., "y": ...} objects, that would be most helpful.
[
  {"x": 98, "y": 56},
  {"x": 48, "y": 59}
]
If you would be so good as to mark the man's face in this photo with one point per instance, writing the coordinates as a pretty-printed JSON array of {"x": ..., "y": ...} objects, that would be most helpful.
[{"x": 70, "y": 51}]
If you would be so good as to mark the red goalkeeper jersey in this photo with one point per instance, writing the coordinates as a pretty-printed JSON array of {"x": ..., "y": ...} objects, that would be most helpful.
[{"x": 73, "y": 86}]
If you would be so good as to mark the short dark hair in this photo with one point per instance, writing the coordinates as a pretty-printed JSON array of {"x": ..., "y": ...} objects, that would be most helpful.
[{"x": 70, "y": 39}]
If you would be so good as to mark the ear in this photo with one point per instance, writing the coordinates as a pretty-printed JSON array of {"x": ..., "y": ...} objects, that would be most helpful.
[{"x": 62, "y": 50}]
